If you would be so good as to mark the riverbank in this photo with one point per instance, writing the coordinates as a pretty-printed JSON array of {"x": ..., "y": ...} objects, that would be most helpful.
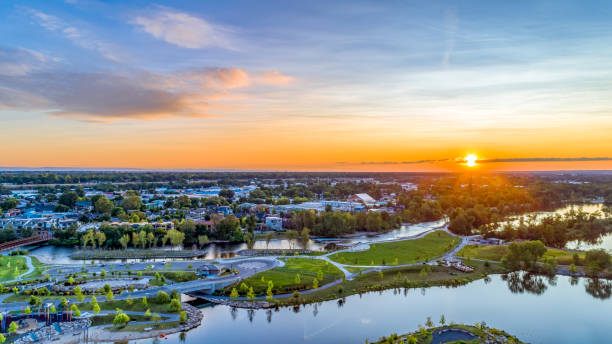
[{"x": 135, "y": 254}]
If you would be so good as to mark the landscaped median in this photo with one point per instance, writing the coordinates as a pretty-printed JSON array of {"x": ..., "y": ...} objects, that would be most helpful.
[
  {"x": 296, "y": 275},
  {"x": 452, "y": 333},
  {"x": 402, "y": 252},
  {"x": 497, "y": 252},
  {"x": 420, "y": 276}
]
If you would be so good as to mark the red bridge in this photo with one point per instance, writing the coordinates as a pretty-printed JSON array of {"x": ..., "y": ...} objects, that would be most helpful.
[{"x": 33, "y": 240}]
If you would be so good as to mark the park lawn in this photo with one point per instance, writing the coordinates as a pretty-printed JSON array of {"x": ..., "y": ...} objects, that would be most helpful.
[
  {"x": 496, "y": 253},
  {"x": 356, "y": 269},
  {"x": 284, "y": 277},
  {"x": 141, "y": 327},
  {"x": 136, "y": 306},
  {"x": 401, "y": 252},
  {"x": 108, "y": 319},
  {"x": 25, "y": 298},
  {"x": 399, "y": 277},
  {"x": 12, "y": 267}
]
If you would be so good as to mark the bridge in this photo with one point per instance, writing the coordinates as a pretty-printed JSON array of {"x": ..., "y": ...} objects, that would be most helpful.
[{"x": 33, "y": 240}]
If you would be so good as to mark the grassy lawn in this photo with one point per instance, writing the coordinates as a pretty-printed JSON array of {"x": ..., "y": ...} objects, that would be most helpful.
[
  {"x": 401, "y": 277},
  {"x": 496, "y": 253},
  {"x": 284, "y": 277},
  {"x": 108, "y": 319},
  {"x": 136, "y": 306},
  {"x": 25, "y": 298},
  {"x": 141, "y": 327},
  {"x": 401, "y": 252},
  {"x": 356, "y": 269},
  {"x": 12, "y": 267}
]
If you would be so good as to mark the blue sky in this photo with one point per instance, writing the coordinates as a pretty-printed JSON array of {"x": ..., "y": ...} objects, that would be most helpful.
[{"x": 413, "y": 79}]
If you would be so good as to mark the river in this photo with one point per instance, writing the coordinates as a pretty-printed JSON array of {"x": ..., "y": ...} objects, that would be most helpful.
[
  {"x": 549, "y": 313},
  {"x": 61, "y": 255}
]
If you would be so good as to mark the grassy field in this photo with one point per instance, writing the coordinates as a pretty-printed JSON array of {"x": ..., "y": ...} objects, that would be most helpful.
[
  {"x": 284, "y": 277},
  {"x": 401, "y": 252},
  {"x": 108, "y": 319},
  {"x": 400, "y": 277},
  {"x": 136, "y": 306},
  {"x": 142, "y": 327},
  {"x": 496, "y": 253},
  {"x": 12, "y": 267}
]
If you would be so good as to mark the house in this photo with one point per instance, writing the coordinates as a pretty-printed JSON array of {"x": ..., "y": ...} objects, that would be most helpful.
[{"x": 274, "y": 223}]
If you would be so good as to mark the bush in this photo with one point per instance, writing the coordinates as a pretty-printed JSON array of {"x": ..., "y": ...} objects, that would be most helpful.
[
  {"x": 175, "y": 305},
  {"x": 162, "y": 297}
]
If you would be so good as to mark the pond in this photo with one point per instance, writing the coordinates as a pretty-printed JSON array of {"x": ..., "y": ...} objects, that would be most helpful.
[
  {"x": 533, "y": 308},
  {"x": 61, "y": 255}
]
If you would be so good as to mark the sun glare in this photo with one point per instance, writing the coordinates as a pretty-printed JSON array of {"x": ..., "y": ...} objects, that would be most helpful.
[{"x": 470, "y": 160}]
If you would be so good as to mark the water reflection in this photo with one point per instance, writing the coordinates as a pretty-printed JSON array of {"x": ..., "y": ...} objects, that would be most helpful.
[
  {"x": 600, "y": 289},
  {"x": 521, "y": 282}
]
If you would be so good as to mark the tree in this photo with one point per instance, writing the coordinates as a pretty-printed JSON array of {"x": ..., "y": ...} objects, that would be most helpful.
[
  {"x": 320, "y": 275},
  {"x": 75, "y": 310},
  {"x": 124, "y": 241},
  {"x": 249, "y": 238},
  {"x": 13, "y": 327},
  {"x": 292, "y": 236},
  {"x": 96, "y": 308},
  {"x": 79, "y": 294},
  {"x": 251, "y": 294},
  {"x": 142, "y": 237},
  {"x": 51, "y": 310},
  {"x": 145, "y": 303},
  {"x": 2, "y": 338},
  {"x": 268, "y": 237},
  {"x": 203, "y": 240},
  {"x": 315, "y": 283},
  {"x": 162, "y": 297},
  {"x": 183, "y": 317},
  {"x": 151, "y": 239},
  {"x": 597, "y": 261},
  {"x": 175, "y": 305},
  {"x": 523, "y": 255},
  {"x": 131, "y": 203},
  {"x": 110, "y": 296},
  {"x": 305, "y": 236},
  {"x": 234, "y": 293},
  {"x": 121, "y": 319},
  {"x": 156, "y": 317},
  {"x": 27, "y": 310},
  {"x": 227, "y": 193},
  {"x": 103, "y": 205},
  {"x": 297, "y": 279},
  {"x": 64, "y": 303},
  {"x": 442, "y": 320},
  {"x": 68, "y": 199},
  {"x": 428, "y": 322},
  {"x": 100, "y": 238}
]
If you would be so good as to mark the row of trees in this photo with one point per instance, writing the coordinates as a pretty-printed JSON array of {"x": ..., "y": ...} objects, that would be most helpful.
[{"x": 334, "y": 223}]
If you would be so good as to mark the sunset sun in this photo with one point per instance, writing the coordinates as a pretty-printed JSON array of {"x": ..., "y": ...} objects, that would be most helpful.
[{"x": 470, "y": 160}]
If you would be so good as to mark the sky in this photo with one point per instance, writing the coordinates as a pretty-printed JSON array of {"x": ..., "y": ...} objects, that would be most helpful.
[{"x": 306, "y": 85}]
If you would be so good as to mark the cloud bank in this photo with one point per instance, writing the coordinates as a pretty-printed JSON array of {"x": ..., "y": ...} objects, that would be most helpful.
[{"x": 28, "y": 83}]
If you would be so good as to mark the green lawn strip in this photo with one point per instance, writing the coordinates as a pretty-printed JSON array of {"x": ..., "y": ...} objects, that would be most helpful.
[
  {"x": 356, "y": 269},
  {"x": 25, "y": 298},
  {"x": 141, "y": 327},
  {"x": 12, "y": 267},
  {"x": 284, "y": 277},
  {"x": 401, "y": 252},
  {"x": 496, "y": 253},
  {"x": 408, "y": 277},
  {"x": 108, "y": 319},
  {"x": 136, "y": 306}
]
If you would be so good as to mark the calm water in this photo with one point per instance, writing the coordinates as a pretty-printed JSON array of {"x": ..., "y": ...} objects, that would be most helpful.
[
  {"x": 61, "y": 255},
  {"x": 533, "y": 309}
]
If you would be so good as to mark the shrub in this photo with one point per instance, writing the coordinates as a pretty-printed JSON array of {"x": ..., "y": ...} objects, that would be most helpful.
[{"x": 162, "y": 297}]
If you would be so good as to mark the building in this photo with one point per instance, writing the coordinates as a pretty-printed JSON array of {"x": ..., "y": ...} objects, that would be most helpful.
[
  {"x": 364, "y": 199},
  {"x": 274, "y": 223}
]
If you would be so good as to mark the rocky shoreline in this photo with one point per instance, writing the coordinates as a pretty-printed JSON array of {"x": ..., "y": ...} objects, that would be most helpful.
[
  {"x": 242, "y": 304},
  {"x": 100, "y": 334}
]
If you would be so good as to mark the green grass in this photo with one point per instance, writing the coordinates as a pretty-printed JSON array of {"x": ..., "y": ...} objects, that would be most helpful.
[
  {"x": 108, "y": 319},
  {"x": 496, "y": 253},
  {"x": 400, "y": 277},
  {"x": 356, "y": 269},
  {"x": 141, "y": 327},
  {"x": 12, "y": 267},
  {"x": 136, "y": 306},
  {"x": 284, "y": 277},
  {"x": 401, "y": 252}
]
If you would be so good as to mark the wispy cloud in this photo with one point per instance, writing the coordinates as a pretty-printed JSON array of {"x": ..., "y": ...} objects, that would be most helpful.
[
  {"x": 76, "y": 35},
  {"x": 183, "y": 29},
  {"x": 109, "y": 96}
]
